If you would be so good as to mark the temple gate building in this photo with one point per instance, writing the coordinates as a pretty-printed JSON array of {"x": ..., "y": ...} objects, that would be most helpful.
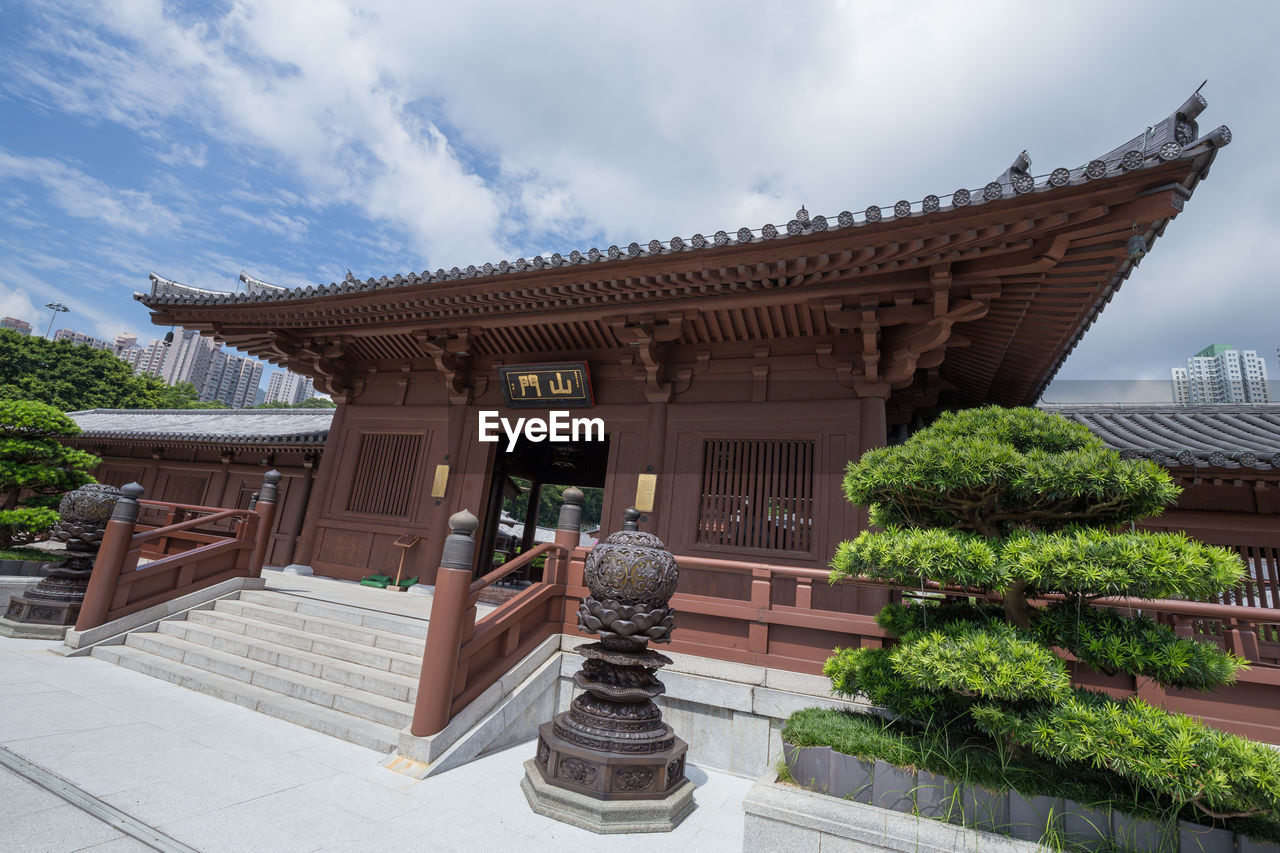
[{"x": 735, "y": 373}]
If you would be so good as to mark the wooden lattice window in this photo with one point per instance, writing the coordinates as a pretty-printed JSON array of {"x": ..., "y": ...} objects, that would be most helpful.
[
  {"x": 757, "y": 494},
  {"x": 184, "y": 489},
  {"x": 384, "y": 475}
]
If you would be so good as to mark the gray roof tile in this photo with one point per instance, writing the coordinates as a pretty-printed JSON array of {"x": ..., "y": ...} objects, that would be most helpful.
[
  {"x": 1218, "y": 436},
  {"x": 209, "y": 426}
]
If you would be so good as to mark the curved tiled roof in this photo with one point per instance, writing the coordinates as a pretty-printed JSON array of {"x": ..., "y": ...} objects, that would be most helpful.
[
  {"x": 1175, "y": 138},
  {"x": 308, "y": 427},
  {"x": 1217, "y": 436}
]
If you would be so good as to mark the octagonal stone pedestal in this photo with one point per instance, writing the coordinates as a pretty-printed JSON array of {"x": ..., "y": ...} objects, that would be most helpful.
[{"x": 606, "y": 817}]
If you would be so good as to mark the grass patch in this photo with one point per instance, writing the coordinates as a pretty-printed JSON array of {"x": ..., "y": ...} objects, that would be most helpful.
[
  {"x": 26, "y": 554},
  {"x": 966, "y": 757}
]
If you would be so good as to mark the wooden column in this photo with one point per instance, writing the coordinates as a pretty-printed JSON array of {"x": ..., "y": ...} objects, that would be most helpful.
[
  {"x": 447, "y": 628},
  {"x": 268, "y": 499},
  {"x": 311, "y": 517},
  {"x": 218, "y": 485},
  {"x": 298, "y": 503},
  {"x": 110, "y": 560}
]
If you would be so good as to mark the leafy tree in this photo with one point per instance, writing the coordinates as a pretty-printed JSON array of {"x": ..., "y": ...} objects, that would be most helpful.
[
  {"x": 72, "y": 377},
  {"x": 180, "y": 395},
  {"x": 66, "y": 376},
  {"x": 35, "y": 469},
  {"x": 1010, "y": 506}
]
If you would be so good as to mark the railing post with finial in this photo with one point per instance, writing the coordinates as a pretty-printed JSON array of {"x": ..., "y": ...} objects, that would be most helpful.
[
  {"x": 446, "y": 627},
  {"x": 110, "y": 560},
  {"x": 268, "y": 501},
  {"x": 568, "y": 534}
]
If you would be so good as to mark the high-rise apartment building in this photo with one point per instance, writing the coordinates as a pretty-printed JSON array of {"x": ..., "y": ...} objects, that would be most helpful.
[
  {"x": 287, "y": 387},
  {"x": 1221, "y": 374},
  {"x": 125, "y": 341},
  {"x": 188, "y": 358},
  {"x": 13, "y": 324},
  {"x": 148, "y": 359},
  {"x": 233, "y": 379},
  {"x": 82, "y": 339}
]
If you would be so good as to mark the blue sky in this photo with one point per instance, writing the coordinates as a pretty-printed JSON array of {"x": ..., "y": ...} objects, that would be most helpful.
[{"x": 296, "y": 141}]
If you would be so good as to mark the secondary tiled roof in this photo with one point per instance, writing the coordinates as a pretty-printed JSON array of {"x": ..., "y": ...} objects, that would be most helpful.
[
  {"x": 1217, "y": 436},
  {"x": 1177, "y": 137},
  {"x": 209, "y": 426}
]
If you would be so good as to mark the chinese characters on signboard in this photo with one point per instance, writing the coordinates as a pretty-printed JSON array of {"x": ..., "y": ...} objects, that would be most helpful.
[{"x": 547, "y": 385}]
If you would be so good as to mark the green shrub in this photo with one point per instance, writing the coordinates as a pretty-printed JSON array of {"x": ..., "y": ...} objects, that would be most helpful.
[
  {"x": 1014, "y": 504},
  {"x": 35, "y": 468}
]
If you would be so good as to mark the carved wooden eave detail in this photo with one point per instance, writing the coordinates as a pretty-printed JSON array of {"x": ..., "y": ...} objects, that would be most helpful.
[
  {"x": 454, "y": 360},
  {"x": 897, "y": 340},
  {"x": 323, "y": 358},
  {"x": 651, "y": 340}
]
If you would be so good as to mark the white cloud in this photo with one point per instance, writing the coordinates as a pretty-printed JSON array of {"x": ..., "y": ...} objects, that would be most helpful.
[
  {"x": 17, "y": 303},
  {"x": 461, "y": 133},
  {"x": 85, "y": 197}
]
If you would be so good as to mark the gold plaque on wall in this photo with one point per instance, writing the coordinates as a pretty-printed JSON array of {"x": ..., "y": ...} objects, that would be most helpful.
[
  {"x": 646, "y": 486},
  {"x": 440, "y": 482}
]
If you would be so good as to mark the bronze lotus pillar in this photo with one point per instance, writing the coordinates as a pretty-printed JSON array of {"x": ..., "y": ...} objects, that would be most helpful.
[
  {"x": 609, "y": 763},
  {"x": 52, "y": 605}
]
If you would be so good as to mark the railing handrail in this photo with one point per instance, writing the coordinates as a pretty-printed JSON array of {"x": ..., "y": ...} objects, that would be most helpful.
[
  {"x": 177, "y": 561},
  {"x": 161, "y": 532},
  {"x": 172, "y": 505},
  {"x": 518, "y": 563},
  {"x": 1204, "y": 609}
]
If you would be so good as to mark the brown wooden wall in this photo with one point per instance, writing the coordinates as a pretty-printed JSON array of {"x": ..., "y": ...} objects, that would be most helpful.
[
  {"x": 384, "y": 448},
  {"x": 201, "y": 477}
]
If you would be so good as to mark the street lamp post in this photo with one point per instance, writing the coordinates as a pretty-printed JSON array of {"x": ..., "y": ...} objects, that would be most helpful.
[{"x": 57, "y": 308}]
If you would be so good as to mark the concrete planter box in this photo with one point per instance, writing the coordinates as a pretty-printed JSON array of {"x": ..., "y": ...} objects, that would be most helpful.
[
  {"x": 784, "y": 817},
  {"x": 939, "y": 798},
  {"x": 882, "y": 795},
  {"x": 1086, "y": 826},
  {"x": 851, "y": 778},
  {"x": 893, "y": 788}
]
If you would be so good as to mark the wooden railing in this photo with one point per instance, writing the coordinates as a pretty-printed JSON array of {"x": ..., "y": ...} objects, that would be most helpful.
[
  {"x": 119, "y": 587},
  {"x": 213, "y": 524},
  {"x": 463, "y": 656},
  {"x": 786, "y": 618}
]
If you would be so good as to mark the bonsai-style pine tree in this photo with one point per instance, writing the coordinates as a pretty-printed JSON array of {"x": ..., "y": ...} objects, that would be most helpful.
[
  {"x": 35, "y": 469},
  {"x": 1027, "y": 516}
]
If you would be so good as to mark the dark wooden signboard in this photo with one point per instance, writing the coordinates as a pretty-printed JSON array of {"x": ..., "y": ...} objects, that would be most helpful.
[{"x": 547, "y": 386}]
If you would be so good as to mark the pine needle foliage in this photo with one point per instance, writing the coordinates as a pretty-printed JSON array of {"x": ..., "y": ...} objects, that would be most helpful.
[
  {"x": 35, "y": 468},
  {"x": 1011, "y": 505}
]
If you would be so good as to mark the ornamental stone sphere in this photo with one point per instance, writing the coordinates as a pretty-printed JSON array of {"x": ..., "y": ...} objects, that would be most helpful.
[
  {"x": 631, "y": 567},
  {"x": 85, "y": 512}
]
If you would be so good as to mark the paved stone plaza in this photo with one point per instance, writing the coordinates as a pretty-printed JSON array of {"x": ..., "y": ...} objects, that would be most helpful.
[{"x": 214, "y": 776}]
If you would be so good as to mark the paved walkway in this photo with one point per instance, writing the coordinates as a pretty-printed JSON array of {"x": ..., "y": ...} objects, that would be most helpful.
[{"x": 217, "y": 777}]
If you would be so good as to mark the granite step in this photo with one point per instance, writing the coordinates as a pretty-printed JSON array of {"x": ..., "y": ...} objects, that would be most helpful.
[
  {"x": 325, "y": 694},
  {"x": 336, "y": 723},
  {"x": 379, "y": 681},
  {"x": 350, "y": 614},
  {"x": 337, "y": 629},
  {"x": 297, "y": 638}
]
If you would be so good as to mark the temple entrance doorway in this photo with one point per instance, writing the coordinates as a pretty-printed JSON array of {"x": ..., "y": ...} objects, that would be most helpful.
[{"x": 524, "y": 498}]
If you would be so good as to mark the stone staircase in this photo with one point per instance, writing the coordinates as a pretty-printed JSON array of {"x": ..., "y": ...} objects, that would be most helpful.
[{"x": 345, "y": 671}]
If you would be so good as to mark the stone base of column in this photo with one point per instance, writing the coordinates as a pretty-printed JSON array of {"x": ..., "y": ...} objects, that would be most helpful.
[
  {"x": 31, "y": 630},
  {"x": 606, "y": 817}
]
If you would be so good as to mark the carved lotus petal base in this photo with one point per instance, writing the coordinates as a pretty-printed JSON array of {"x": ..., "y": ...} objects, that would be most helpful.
[
  {"x": 609, "y": 775},
  {"x": 36, "y": 611},
  {"x": 626, "y": 627}
]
